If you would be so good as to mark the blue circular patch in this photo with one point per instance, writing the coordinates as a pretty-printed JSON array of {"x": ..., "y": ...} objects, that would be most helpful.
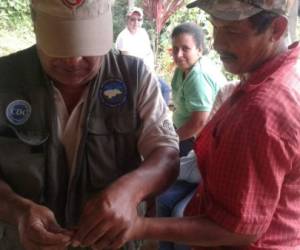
[
  {"x": 113, "y": 93},
  {"x": 18, "y": 112}
]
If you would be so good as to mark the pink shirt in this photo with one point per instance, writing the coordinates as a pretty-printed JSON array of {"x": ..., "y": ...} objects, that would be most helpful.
[{"x": 249, "y": 158}]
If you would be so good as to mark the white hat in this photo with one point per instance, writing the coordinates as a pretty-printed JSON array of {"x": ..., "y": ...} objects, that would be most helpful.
[
  {"x": 135, "y": 9},
  {"x": 67, "y": 28}
]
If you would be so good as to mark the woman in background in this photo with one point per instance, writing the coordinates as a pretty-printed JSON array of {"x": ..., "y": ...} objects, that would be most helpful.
[{"x": 195, "y": 84}]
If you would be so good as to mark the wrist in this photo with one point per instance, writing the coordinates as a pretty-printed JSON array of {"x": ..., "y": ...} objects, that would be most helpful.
[
  {"x": 131, "y": 185},
  {"x": 21, "y": 206},
  {"x": 142, "y": 226}
]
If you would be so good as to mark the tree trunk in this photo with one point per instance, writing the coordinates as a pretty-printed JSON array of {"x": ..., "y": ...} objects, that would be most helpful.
[
  {"x": 130, "y": 3},
  {"x": 293, "y": 21}
]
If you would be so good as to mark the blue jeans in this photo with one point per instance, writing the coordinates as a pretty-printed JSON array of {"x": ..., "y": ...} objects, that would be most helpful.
[
  {"x": 165, "y": 89},
  {"x": 168, "y": 205}
]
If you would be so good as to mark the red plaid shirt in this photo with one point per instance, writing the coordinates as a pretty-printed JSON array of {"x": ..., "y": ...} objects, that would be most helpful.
[{"x": 249, "y": 157}]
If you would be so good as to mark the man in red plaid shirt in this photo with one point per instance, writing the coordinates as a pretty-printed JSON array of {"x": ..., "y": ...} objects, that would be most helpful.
[{"x": 249, "y": 153}]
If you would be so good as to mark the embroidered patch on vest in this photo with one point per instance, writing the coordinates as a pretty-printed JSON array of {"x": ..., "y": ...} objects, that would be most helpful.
[
  {"x": 113, "y": 93},
  {"x": 167, "y": 125},
  {"x": 18, "y": 112}
]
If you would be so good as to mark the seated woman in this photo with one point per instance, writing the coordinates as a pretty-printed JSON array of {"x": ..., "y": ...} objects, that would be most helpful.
[{"x": 195, "y": 84}]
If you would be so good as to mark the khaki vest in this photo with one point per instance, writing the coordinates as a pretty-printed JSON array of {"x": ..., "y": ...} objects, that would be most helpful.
[{"x": 32, "y": 159}]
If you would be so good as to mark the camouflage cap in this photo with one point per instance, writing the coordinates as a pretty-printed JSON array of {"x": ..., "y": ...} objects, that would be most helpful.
[{"x": 240, "y": 9}]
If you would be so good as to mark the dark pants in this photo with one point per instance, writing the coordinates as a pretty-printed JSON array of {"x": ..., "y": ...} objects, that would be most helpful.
[
  {"x": 165, "y": 89},
  {"x": 166, "y": 203},
  {"x": 186, "y": 146}
]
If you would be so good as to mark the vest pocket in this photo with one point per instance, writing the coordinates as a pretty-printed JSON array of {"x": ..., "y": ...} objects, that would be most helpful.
[
  {"x": 9, "y": 239},
  {"x": 22, "y": 163},
  {"x": 111, "y": 151},
  {"x": 1, "y": 233}
]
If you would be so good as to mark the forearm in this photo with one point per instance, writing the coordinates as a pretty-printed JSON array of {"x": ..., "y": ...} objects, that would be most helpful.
[
  {"x": 189, "y": 130},
  {"x": 154, "y": 175},
  {"x": 193, "y": 231},
  {"x": 193, "y": 126},
  {"x": 11, "y": 205}
]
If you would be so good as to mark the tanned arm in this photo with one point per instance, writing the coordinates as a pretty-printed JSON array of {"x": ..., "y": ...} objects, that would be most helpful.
[
  {"x": 36, "y": 224},
  {"x": 193, "y": 231},
  {"x": 193, "y": 126},
  {"x": 113, "y": 212}
]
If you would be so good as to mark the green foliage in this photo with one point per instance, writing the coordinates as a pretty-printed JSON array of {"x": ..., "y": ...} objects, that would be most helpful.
[
  {"x": 119, "y": 16},
  {"x": 14, "y": 15},
  {"x": 298, "y": 29},
  {"x": 164, "y": 61},
  {"x": 16, "y": 30},
  {"x": 15, "y": 26}
]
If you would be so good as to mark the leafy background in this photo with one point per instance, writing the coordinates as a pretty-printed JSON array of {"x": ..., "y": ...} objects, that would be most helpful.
[
  {"x": 15, "y": 26},
  {"x": 16, "y": 31}
]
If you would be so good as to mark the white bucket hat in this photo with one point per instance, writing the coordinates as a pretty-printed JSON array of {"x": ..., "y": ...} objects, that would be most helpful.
[
  {"x": 135, "y": 9},
  {"x": 68, "y": 28}
]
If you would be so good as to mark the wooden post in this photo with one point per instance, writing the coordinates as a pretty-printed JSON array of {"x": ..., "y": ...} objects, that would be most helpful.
[
  {"x": 293, "y": 21},
  {"x": 130, "y": 3}
]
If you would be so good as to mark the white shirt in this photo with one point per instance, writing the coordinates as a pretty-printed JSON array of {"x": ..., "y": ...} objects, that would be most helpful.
[{"x": 137, "y": 44}]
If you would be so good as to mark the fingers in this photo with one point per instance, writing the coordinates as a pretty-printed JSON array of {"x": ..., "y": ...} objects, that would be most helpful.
[
  {"x": 112, "y": 239},
  {"x": 102, "y": 231},
  {"x": 40, "y": 235},
  {"x": 103, "y": 220},
  {"x": 39, "y": 242},
  {"x": 39, "y": 230},
  {"x": 94, "y": 235},
  {"x": 86, "y": 226},
  {"x": 33, "y": 246},
  {"x": 119, "y": 241},
  {"x": 54, "y": 228},
  {"x": 38, "y": 225},
  {"x": 94, "y": 219},
  {"x": 103, "y": 234},
  {"x": 103, "y": 243},
  {"x": 109, "y": 242}
]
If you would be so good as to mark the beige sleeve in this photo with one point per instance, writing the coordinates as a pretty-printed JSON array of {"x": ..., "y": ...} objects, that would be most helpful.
[
  {"x": 157, "y": 128},
  {"x": 223, "y": 94}
]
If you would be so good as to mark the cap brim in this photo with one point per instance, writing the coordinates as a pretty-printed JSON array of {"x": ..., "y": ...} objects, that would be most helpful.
[
  {"x": 223, "y": 9},
  {"x": 192, "y": 5},
  {"x": 67, "y": 38}
]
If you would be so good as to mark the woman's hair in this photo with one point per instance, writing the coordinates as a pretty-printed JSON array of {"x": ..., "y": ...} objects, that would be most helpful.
[
  {"x": 195, "y": 31},
  {"x": 262, "y": 21}
]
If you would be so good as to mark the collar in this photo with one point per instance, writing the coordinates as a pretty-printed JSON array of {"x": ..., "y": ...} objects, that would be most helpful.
[{"x": 270, "y": 67}]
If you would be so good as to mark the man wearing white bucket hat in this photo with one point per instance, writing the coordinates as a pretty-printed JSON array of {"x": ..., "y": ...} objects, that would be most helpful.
[
  {"x": 85, "y": 136},
  {"x": 248, "y": 154},
  {"x": 134, "y": 40}
]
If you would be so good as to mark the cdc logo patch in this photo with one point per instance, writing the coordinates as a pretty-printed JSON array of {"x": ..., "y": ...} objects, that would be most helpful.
[
  {"x": 18, "y": 112},
  {"x": 113, "y": 93}
]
